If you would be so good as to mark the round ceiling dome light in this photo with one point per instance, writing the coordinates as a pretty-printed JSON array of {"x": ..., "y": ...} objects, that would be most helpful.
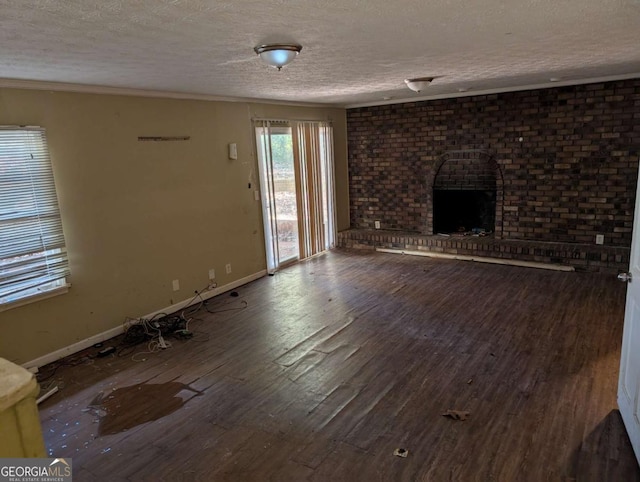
[
  {"x": 278, "y": 55},
  {"x": 418, "y": 84}
]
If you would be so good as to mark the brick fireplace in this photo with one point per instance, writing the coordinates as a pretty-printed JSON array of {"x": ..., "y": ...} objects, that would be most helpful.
[{"x": 562, "y": 162}]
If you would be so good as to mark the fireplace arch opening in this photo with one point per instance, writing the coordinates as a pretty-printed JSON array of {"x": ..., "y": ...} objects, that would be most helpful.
[{"x": 466, "y": 194}]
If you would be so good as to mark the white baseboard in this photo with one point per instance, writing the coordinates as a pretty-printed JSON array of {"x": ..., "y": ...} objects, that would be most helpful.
[
  {"x": 118, "y": 330},
  {"x": 480, "y": 259}
]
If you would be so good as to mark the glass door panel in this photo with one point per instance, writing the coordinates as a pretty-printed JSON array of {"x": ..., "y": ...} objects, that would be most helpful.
[
  {"x": 278, "y": 187},
  {"x": 284, "y": 186}
]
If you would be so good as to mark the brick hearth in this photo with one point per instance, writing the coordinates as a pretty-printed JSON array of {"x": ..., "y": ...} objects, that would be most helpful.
[{"x": 582, "y": 257}]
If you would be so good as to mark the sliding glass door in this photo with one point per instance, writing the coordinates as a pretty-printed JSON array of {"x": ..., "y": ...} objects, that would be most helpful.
[
  {"x": 278, "y": 183},
  {"x": 296, "y": 181}
]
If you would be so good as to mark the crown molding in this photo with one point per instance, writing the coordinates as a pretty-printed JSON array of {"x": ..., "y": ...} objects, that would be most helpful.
[
  {"x": 105, "y": 90},
  {"x": 472, "y": 93}
]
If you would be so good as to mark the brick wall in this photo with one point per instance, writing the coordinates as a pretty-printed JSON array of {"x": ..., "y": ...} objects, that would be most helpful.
[
  {"x": 462, "y": 170},
  {"x": 568, "y": 157}
]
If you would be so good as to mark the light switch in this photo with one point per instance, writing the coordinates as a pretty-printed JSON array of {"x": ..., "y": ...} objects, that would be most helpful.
[{"x": 233, "y": 151}]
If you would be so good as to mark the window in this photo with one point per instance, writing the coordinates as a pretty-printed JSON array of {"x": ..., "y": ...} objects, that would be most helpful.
[{"x": 33, "y": 256}]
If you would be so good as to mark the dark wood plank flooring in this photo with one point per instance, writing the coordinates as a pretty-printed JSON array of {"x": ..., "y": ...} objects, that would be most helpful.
[{"x": 339, "y": 360}]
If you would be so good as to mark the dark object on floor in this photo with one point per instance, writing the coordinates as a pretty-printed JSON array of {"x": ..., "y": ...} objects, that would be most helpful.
[
  {"x": 400, "y": 452},
  {"x": 184, "y": 334},
  {"x": 456, "y": 414},
  {"x": 106, "y": 351},
  {"x": 234, "y": 294}
]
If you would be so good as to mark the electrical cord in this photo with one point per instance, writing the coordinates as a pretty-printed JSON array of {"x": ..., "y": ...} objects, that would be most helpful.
[
  {"x": 154, "y": 330},
  {"x": 244, "y": 303},
  {"x": 193, "y": 311},
  {"x": 153, "y": 346}
]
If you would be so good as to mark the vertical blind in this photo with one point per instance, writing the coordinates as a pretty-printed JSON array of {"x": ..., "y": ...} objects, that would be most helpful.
[
  {"x": 33, "y": 256},
  {"x": 315, "y": 158}
]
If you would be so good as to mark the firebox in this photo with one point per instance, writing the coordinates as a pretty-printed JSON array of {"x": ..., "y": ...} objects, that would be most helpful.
[
  {"x": 463, "y": 211},
  {"x": 465, "y": 192}
]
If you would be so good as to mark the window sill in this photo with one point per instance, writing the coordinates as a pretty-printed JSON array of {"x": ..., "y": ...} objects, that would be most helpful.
[{"x": 39, "y": 297}]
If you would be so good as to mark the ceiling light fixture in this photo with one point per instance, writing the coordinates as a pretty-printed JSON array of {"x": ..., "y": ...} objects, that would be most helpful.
[
  {"x": 278, "y": 55},
  {"x": 418, "y": 84}
]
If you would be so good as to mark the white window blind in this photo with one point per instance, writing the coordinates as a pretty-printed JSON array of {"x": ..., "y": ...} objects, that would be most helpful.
[{"x": 33, "y": 256}]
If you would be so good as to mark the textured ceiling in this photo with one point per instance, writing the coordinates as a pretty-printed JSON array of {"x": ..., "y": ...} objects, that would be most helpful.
[{"x": 354, "y": 52}]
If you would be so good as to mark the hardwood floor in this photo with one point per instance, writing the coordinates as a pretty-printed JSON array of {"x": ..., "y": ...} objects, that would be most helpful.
[{"x": 339, "y": 360}]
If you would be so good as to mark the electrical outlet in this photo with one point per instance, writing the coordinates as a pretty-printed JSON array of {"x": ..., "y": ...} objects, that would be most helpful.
[
  {"x": 377, "y": 224},
  {"x": 212, "y": 279},
  {"x": 256, "y": 195},
  {"x": 176, "y": 284},
  {"x": 599, "y": 238},
  {"x": 227, "y": 268}
]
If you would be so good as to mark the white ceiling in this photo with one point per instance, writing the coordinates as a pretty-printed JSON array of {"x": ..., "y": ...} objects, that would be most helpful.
[{"x": 354, "y": 52}]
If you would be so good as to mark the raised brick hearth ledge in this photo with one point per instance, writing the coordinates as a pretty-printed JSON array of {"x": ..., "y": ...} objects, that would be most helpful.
[{"x": 583, "y": 257}]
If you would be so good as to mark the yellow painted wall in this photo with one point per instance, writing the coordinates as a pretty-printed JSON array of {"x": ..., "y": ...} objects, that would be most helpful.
[{"x": 137, "y": 215}]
